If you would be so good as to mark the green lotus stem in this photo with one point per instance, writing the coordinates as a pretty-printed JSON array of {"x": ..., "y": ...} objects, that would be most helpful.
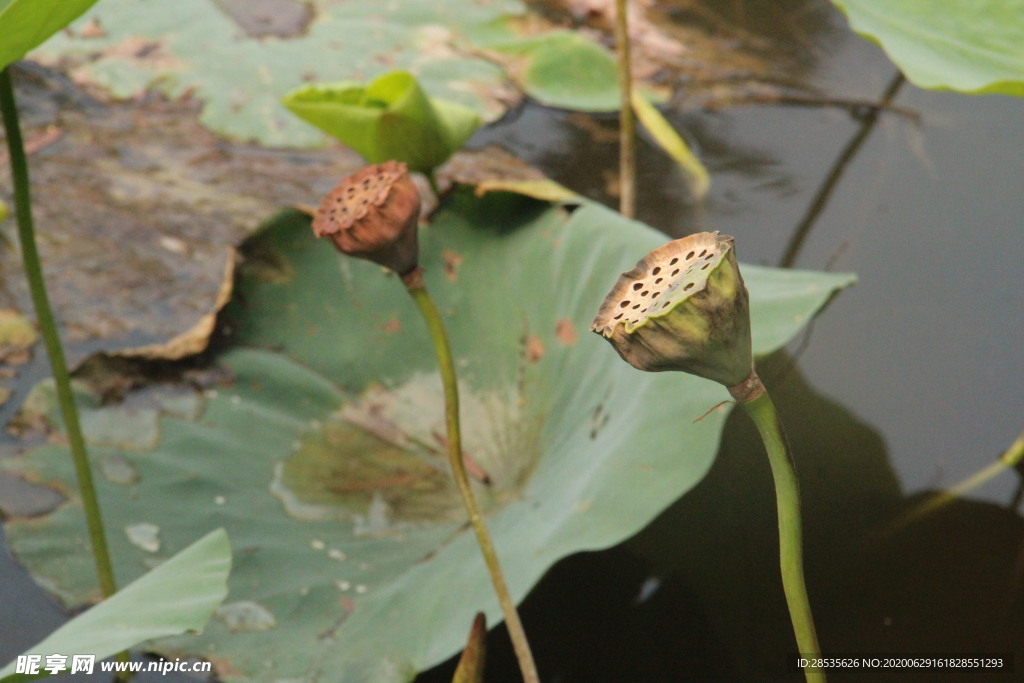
[
  {"x": 761, "y": 410},
  {"x": 627, "y": 127},
  {"x": 51, "y": 338},
  {"x": 417, "y": 289}
]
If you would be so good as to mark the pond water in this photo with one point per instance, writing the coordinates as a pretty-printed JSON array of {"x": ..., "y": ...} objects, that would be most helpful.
[{"x": 908, "y": 383}]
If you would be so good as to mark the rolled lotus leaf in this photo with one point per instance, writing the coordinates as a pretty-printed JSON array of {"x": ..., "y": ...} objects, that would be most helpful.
[
  {"x": 373, "y": 214},
  {"x": 682, "y": 307}
]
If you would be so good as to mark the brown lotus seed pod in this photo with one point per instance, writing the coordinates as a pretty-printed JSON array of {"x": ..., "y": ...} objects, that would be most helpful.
[
  {"x": 373, "y": 214},
  {"x": 682, "y": 307}
]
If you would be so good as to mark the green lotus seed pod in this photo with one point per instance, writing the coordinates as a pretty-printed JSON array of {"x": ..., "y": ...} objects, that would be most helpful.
[{"x": 683, "y": 307}]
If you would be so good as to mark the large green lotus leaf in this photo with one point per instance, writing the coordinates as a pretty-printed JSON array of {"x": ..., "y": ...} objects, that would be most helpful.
[
  {"x": 974, "y": 46},
  {"x": 178, "y": 596},
  {"x": 323, "y": 458},
  {"x": 25, "y": 24},
  {"x": 389, "y": 118}
]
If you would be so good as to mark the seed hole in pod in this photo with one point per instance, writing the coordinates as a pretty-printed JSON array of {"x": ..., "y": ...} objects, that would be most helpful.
[
  {"x": 674, "y": 261},
  {"x": 636, "y": 306},
  {"x": 645, "y": 292},
  {"x": 675, "y": 272},
  {"x": 709, "y": 256},
  {"x": 688, "y": 286},
  {"x": 624, "y": 303},
  {"x": 657, "y": 269},
  {"x": 638, "y": 286},
  {"x": 689, "y": 256},
  {"x": 658, "y": 281},
  {"x": 703, "y": 252},
  {"x": 655, "y": 295},
  {"x": 617, "y": 317},
  {"x": 705, "y": 266},
  {"x": 644, "y": 311}
]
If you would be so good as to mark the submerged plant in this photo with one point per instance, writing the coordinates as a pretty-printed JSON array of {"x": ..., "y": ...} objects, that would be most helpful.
[
  {"x": 684, "y": 307},
  {"x": 374, "y": 214}
]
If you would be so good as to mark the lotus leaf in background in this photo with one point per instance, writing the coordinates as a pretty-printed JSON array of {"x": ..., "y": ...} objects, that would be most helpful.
[
  {"x": 178, "y": 596},
  {"x": 390, "y": 118},
  {"x": 26, "y": 24},
  {"x": 324, "y": 457},
  {"x": 558, "y": 68},
  {"x": 973, "y": 46}
]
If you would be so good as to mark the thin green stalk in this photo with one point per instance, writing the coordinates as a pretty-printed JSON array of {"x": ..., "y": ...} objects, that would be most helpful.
[
  {"x": 761, "y": 410},
  {"x": 51, "y": 339},
  {"x": 627, "y": 127},
  {"x": 417, "y": 289}
]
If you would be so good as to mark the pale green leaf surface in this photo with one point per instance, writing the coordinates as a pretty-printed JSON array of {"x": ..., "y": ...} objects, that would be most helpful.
[
  {"x": 26, "y": 24},
  {"x": 973, "y": 46},
  {"x": 583, "y": 449},
  {"x": 178, "y": 596}
]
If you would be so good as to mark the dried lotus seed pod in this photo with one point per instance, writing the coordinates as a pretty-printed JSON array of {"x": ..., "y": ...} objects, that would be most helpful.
[
  {"x": 373, "y": 214},
  {"x": 682, "y": 307}
]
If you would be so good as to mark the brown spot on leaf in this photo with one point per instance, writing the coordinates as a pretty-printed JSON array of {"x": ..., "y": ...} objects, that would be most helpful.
[
  {"x": 392, "y": 326},
  {"x": 565, "y": 333},
  {"x": 452, "y": 261},
  {"x": 534, "y": 348}
]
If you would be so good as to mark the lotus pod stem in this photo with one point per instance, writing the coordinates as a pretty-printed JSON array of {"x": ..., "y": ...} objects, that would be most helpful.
[
  {"x": 685, "y": 307},
  {"x": 373, "y": 214},
  {"x": 758, "y": 405},
  {"x": 417, "y": 289}
]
